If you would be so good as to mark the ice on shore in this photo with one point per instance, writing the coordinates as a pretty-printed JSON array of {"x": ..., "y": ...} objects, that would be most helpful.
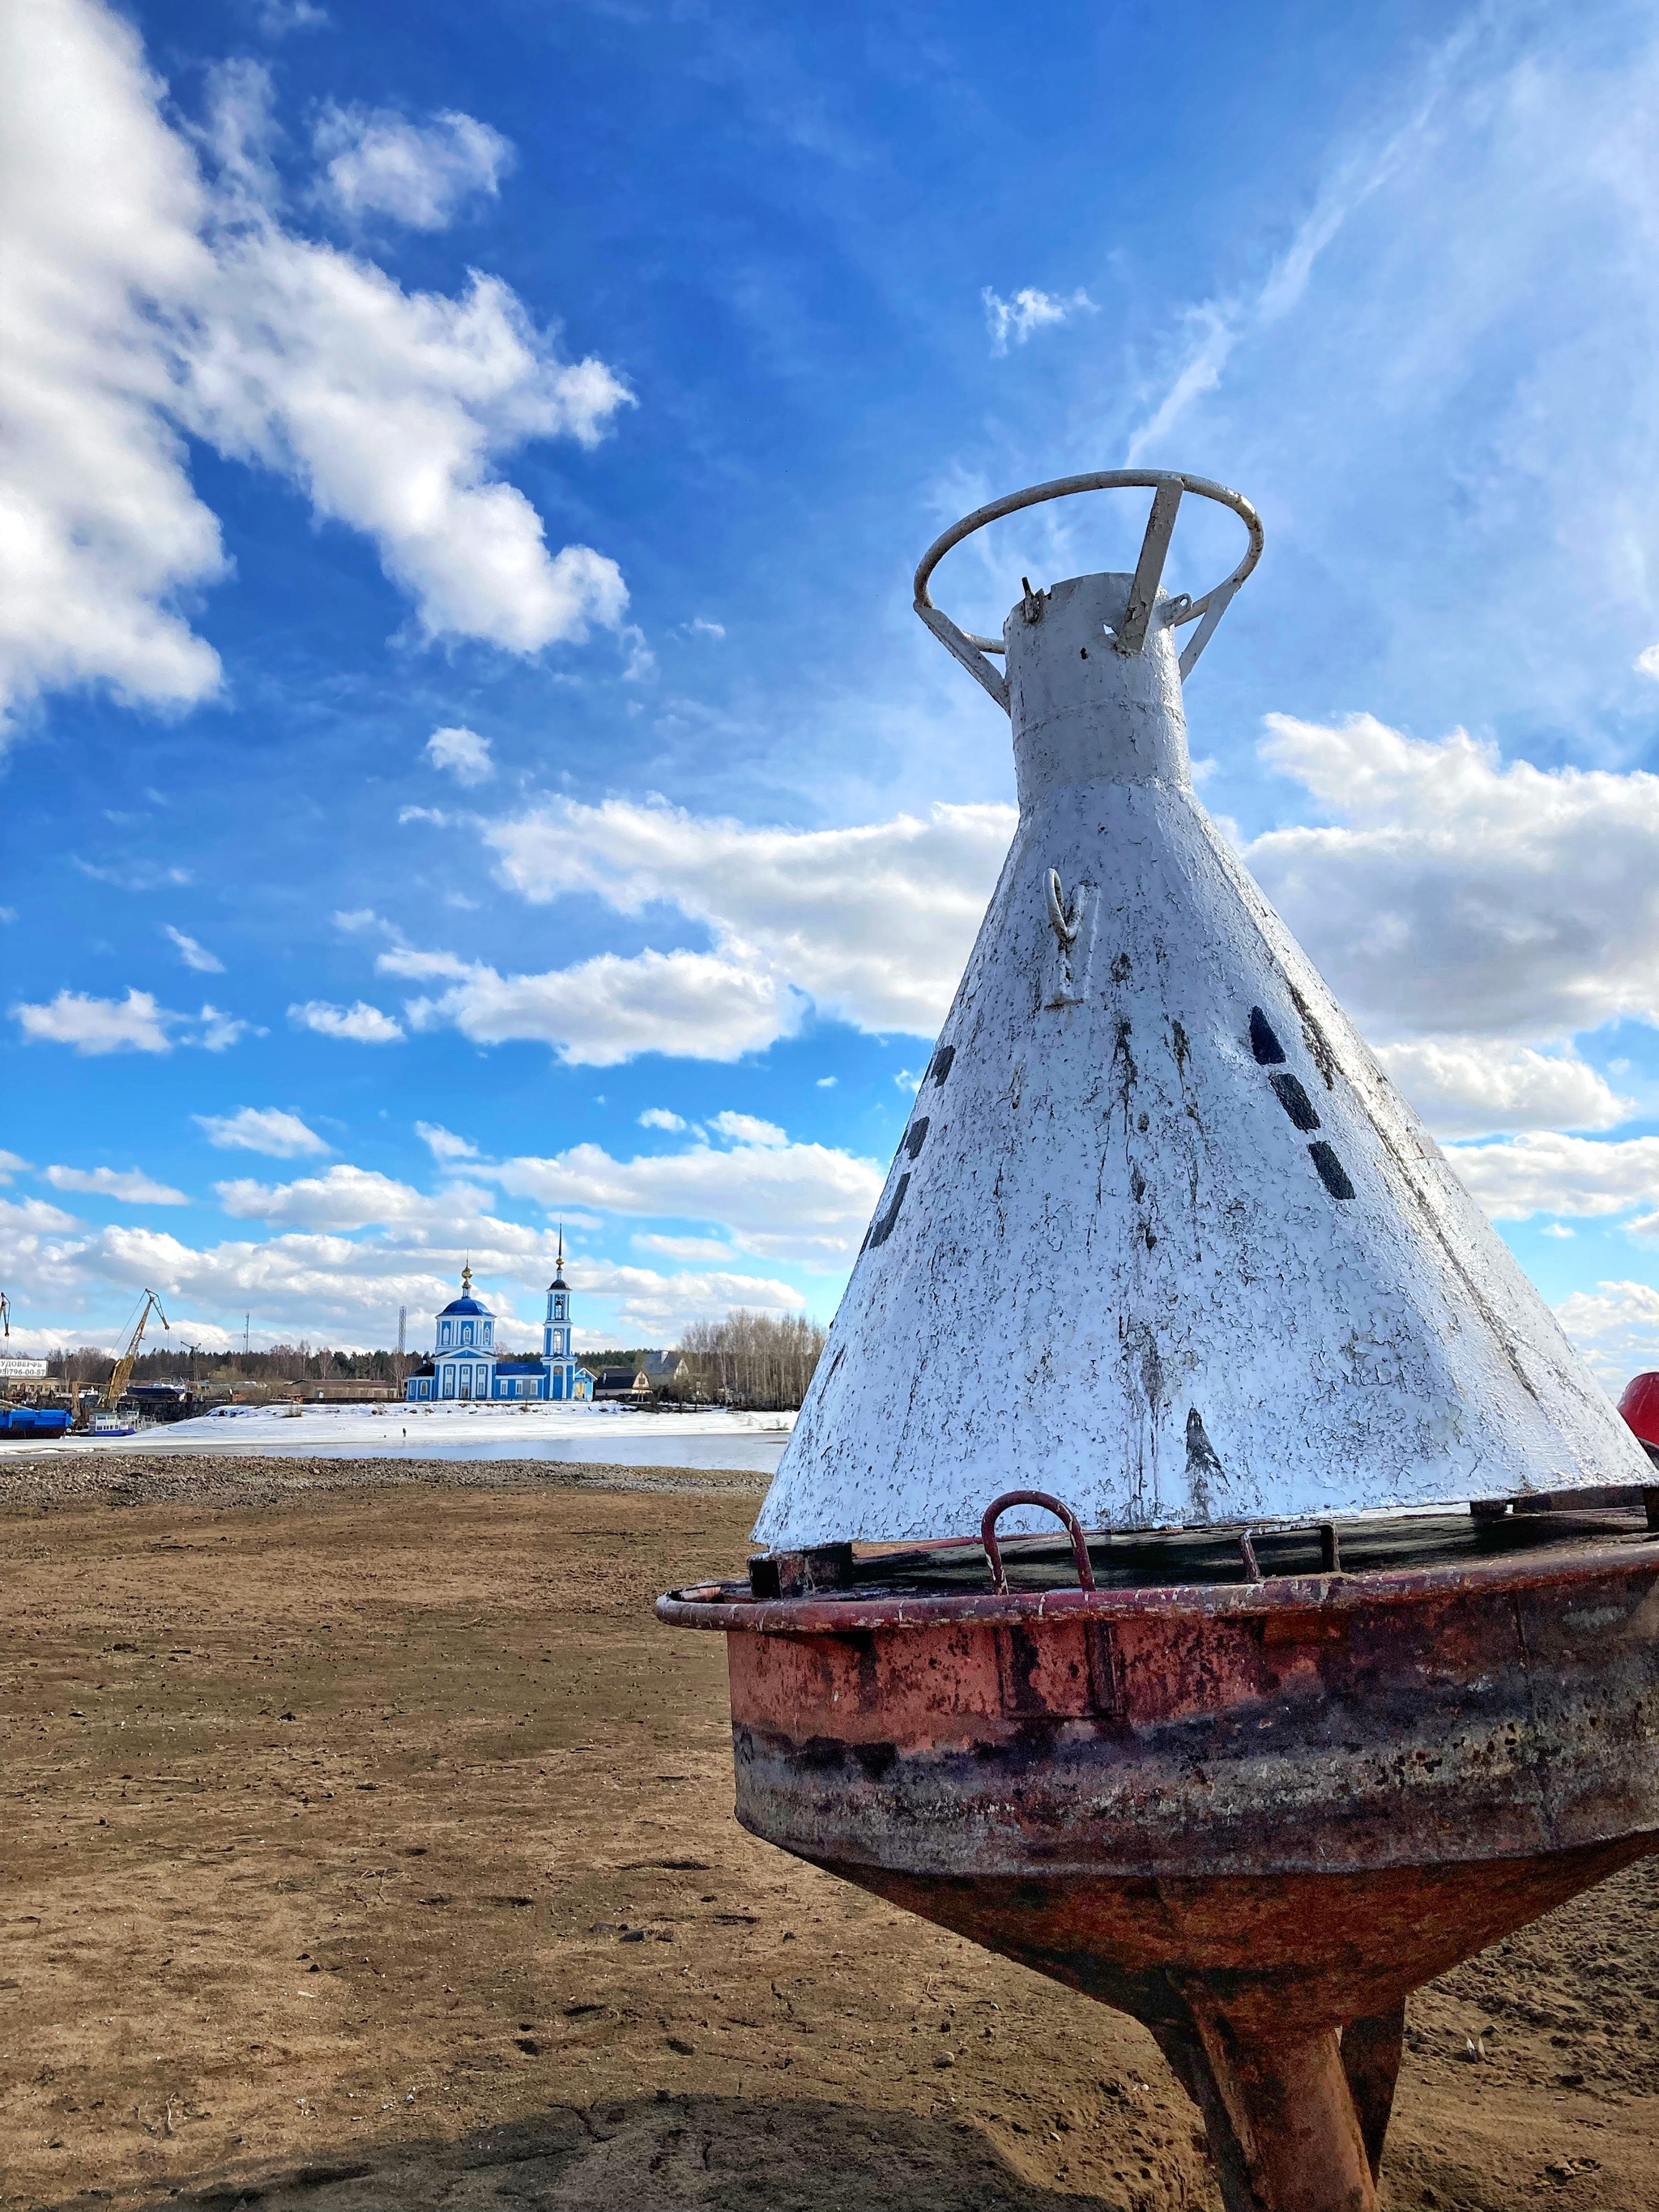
[{"x": 617, "y": 1435}]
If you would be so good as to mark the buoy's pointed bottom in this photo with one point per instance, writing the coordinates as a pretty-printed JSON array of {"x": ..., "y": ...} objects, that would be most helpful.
[{"x": 1279, "y": 2001}]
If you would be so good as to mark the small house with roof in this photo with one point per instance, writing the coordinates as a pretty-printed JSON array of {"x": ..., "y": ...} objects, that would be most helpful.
[{"x": 466, "y": 1365}]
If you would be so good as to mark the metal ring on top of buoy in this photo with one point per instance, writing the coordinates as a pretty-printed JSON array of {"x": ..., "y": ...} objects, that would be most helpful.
[{"x": 1167, "y": 486}]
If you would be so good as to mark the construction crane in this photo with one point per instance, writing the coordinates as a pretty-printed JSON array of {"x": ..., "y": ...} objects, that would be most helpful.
[{"x": 123, "y": 1374}]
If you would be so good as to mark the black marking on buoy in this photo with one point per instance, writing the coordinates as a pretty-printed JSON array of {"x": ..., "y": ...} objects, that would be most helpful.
[
  {"x": 941, "y": 1062},
  {"x": 1269, "y": 1053},
  {"x": 917, "y": 1135},
  {"x": 1203, "y": 1464},
  {"x": 884, "y": 1228},
  {"x": 1287, "y": 1089},
  {"x": 1331, "y": 1173}
]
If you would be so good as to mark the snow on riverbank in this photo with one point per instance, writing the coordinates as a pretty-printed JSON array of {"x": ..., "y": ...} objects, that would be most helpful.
[{"x": 608, "y": 1434}]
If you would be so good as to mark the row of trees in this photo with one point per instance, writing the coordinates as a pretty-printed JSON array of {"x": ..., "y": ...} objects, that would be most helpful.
[
  {"x": 749, "y": 1359},
  {"x": 282, "y": 1363}
]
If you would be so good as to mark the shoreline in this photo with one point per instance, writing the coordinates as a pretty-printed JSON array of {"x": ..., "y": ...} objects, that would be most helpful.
[{"x": 36, "y": 1483}]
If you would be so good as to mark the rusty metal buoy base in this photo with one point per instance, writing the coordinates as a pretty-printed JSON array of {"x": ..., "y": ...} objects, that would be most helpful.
[{"x": 1249, "y": 1790}]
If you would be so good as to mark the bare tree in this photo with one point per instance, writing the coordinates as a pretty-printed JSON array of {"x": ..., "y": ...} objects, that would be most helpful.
[{"x": 755, "y": 1360}]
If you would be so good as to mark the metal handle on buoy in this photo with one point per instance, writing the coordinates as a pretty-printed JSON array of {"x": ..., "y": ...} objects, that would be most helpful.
[{"x": 1061, "y": 1511}]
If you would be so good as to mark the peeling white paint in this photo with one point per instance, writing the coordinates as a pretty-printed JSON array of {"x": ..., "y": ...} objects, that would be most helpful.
[{"x": 1108, "y": 1261}]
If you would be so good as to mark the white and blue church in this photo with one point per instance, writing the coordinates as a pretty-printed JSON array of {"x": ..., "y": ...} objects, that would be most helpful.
[{"x": 464, "y": 1364}]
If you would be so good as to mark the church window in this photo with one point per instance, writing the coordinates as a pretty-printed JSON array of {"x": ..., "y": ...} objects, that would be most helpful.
[{"x": 466, "y": 1332}]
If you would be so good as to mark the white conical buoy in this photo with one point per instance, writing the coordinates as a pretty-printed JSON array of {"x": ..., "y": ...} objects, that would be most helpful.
[{"x": 1161, "y": 1237}]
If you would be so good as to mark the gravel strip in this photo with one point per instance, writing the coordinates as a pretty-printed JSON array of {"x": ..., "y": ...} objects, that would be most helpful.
[{"x": 32, "y": 1484}]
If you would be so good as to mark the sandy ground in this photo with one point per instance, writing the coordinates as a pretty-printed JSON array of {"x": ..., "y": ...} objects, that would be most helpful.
[{"x": 370, "y": 1846}]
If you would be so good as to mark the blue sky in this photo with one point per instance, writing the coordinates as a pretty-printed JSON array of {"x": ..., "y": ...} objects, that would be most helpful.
[{"x": 470, "y": 758}]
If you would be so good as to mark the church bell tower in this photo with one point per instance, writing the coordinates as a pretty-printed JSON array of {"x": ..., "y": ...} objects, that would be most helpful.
[{"x": 556, "y": 1332}]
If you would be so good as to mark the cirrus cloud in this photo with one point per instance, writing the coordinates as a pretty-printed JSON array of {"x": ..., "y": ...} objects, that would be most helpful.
[{"x": 130, "y": 1185}]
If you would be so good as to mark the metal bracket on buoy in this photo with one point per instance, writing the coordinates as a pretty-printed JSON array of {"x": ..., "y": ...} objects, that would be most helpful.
[
  {"x": 1061, "y": 1511},
  {"x": 1073, "y": 926},
  {"x": 1167, "y": 487}
]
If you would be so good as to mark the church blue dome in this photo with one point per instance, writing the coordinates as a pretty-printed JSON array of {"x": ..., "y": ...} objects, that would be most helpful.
[{"x": 462, "y": 1306}]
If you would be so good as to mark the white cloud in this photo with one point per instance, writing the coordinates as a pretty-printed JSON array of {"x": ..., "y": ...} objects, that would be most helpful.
[
  {"x": 463, "y": 754},
  {"x": 1464, "y": 895},
  {"x": 379, "y": 163},
  {"x": 700, "y": 628},
  {"x": 135, "y": 1023},
  {"x": 147, "y": 299},
  {"x": 276, "y": 18},
  {"x": 220, "y": 1031},
  {"x": 1029, "y": 310},
  {"x": 268, "y": 1130},
  {"x": 1647, "y": 662},
  {"x": 194, "y": 956},
  {"x": 98, "y": 527},
  {"x": 659, "y": 1306},
  {"x": 683, "y": 1248},
  {"x": 361, "y": 1023},
  {"x": 608, "y": 1010},
  {"x": 11, "y": 1163},
  {"x": 875, "y": 921},
  {"x": 1478, "y": 1087},
  {"x": 1616, "y": 1327},
  {"x": 23, "y": 1221},
  {"x": 826, "y": 1083},
  {"x": 344, "y": 1198},
  {"x": 782, "y": 1201},
  {"x": 1546, "y": 1173},
  {"x": 659, "y": 1117},
  {"x": 443, "y": 1144},
  {"x": 130, "y": 1185},
  {"x": 747, "y": 1129}
]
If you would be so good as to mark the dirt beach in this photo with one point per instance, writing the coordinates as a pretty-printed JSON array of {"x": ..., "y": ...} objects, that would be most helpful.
[{"x": 369, "y": 1845}]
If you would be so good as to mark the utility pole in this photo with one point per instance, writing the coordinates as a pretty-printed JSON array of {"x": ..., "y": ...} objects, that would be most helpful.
[{"x": 403, "y": 1336}]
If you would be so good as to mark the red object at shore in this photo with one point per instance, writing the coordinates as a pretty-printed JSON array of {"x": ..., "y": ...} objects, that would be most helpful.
[{"x": 1640, "y": 1407}]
